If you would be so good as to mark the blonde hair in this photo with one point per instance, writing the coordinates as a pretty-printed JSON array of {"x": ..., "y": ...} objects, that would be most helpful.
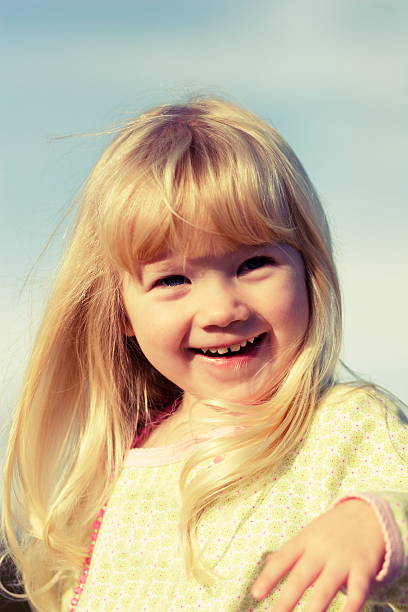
[{"x": 175, "y": 177}]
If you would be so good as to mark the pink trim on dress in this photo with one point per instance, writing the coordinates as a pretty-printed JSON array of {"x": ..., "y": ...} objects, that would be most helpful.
[
  {"x": 163, "y": 455},
  {"x": 394, "y": 550}
]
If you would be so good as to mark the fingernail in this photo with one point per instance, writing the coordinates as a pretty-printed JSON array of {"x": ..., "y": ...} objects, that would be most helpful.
[{"x": 256, "y": 592}]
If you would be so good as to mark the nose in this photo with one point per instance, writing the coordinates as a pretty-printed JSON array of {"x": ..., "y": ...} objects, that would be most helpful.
[{"x": 219, "y": 306}]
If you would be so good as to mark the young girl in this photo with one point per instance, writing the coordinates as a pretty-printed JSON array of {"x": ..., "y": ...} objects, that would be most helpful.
[{"x": 181, "y": 441}]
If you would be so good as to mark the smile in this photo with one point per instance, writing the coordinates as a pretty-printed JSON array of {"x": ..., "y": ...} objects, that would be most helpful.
[{"x": 242, "y": 348}]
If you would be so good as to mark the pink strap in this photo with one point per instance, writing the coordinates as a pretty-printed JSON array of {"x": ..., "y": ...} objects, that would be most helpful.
[{"x": 394, "y": 550}]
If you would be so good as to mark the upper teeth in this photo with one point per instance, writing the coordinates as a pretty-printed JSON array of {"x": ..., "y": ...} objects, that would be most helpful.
[{"x": 233, "y": 348}]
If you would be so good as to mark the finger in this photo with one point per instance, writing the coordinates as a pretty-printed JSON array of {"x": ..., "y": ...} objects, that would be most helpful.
[
  {"x": 301, "y": 577},
  {"x": 330, "y": 581},
  {"x": 276, "y": 566},
  {"x": 358, "y": 587}
]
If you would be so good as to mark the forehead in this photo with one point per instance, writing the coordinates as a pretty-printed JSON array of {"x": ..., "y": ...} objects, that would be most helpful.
[
  {"x": 207, "y": 250},
  {"x": 204, "y": 249}
]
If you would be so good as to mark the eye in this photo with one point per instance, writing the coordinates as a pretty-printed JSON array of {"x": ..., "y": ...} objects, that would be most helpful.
[
  {"x": 172, "y": 280},
  {"x": 254, "y": 263}
]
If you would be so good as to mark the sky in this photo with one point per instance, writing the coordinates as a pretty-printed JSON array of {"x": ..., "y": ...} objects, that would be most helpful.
[{"x": 330, "y": 75}]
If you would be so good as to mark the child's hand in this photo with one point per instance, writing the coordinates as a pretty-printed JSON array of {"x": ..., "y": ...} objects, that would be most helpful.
[{"x": 343, "y": 547}]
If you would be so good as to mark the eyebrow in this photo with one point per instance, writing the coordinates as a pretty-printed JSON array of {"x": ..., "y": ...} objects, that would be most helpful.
[{"x": 159, "y": 267}]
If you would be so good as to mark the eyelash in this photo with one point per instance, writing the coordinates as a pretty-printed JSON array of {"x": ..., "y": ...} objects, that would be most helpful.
[
  {"x": 262, "y": 259},
  {"x": 162, "y": 281},
  {"x": 168, "y": 281}
]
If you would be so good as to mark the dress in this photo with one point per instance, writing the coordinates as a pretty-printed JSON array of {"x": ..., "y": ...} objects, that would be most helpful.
[{"x": 351, "y": 448}]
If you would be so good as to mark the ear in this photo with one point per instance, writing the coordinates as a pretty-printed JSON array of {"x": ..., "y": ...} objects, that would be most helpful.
[
  {"x": 125, "y": 325},
  {"x": 128, "y": 330}
]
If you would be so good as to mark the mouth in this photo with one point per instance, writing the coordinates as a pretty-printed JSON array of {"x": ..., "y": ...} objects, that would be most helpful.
[{"x": 245, "y": 347}]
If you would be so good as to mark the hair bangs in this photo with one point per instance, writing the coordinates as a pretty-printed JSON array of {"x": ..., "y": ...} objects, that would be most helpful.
[{"x": 195, "y": 199}]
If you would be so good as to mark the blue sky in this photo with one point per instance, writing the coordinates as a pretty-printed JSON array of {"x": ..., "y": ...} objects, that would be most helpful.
[{"x": 331, "y": 75}]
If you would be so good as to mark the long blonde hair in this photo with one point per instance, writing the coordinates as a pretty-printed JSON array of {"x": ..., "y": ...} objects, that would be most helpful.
[{"x": 173, "y": 177}]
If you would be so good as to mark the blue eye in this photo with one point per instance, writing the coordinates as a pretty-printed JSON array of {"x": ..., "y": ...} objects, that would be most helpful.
[
  {"x": 171, "y": 281},
  {"x": 255, "y": 262}
]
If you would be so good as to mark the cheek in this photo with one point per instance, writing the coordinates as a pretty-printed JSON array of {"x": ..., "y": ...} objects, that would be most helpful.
[
  {"x": 291, "y": 313},
  {"x": 154, "y": 325},
  {"x": 156, "y": 333},
  {"x": 300, "y": 307}
]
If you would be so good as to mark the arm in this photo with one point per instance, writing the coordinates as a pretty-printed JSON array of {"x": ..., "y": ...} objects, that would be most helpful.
[{"x": 353, "y": 546}]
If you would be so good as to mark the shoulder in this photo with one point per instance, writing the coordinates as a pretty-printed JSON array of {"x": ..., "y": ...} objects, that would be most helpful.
[
  {"x": 357, "y": 440},
  {"x": 359, "y": 413},
  {"x": 359, "y": 401}
]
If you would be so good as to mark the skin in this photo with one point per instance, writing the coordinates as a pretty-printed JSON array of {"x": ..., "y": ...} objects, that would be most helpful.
[
  {"x": 219, "y": 300},
  {"x": 215, "y": 301},
  {"x": 343, "y": 547}
]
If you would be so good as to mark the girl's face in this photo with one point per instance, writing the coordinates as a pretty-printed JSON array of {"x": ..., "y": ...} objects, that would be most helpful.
[{"x": 220, "y": 326}]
